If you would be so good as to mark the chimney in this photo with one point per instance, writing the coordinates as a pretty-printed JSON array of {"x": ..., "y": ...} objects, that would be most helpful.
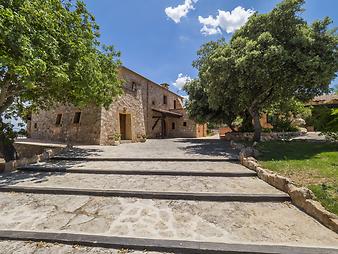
[{"x": 165, "y": 85}]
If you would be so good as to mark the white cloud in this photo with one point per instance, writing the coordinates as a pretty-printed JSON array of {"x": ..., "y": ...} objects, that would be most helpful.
[
  {"x": 180, "y": 11},
  {"x": 225, "y": 20},
  {"x": 181, "y": 81}
]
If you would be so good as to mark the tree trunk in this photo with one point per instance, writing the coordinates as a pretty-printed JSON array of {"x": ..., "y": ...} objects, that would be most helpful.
[
  {"x": 247, "y": 125},
  {"x": 257, "y": 125},
  {"x": 7, "y": 148}
]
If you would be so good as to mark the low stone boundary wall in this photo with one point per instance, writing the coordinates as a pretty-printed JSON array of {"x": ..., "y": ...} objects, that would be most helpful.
[
  {"x": 301, "y": 197},
  {"x": 266, "y": 136},
  {"x": 46, "y": 155},
  {"x": 30, "y": 152}
]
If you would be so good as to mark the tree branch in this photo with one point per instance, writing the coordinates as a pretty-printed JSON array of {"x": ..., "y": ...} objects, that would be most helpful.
[{"x": 6, "y": 104}]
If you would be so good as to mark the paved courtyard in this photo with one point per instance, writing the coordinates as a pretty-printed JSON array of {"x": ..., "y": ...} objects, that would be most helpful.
[{"x": 260, "y": 222}]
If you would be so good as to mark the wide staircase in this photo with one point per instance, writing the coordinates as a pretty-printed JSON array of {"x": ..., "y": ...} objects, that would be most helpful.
[{"x": 104, "y": 204}]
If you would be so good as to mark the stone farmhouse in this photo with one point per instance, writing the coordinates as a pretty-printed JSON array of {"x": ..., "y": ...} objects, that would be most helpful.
[{"x": 146, "y": 109}]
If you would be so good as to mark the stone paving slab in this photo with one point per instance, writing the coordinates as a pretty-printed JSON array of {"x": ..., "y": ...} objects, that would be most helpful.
[
  {"x": 234, "y": 222},
  {"x": 160, "y": 148},
  {"x": 26, "y": 247},
  {"x": 154, "y": 165},
  {"x": 249, "y": 185}
]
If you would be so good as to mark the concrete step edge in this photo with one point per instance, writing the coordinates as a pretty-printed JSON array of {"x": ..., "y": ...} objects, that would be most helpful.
[
  {"x": 162, "y": 245},
  {"x": 63, "y": 158},
  {"x": 204, "y": 196},
  {"x": 138, "y": 172}
]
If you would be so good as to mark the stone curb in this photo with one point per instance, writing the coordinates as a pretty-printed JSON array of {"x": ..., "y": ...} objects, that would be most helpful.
[
  {"x": 161, "y": 245},
  {"x": 197, "y": 196},
  {"x": 301, "y": 197},
  {"x": 63, "y": 158},
  {"x": 138, "y": 172},
  {"x": 46, "y": 155}
]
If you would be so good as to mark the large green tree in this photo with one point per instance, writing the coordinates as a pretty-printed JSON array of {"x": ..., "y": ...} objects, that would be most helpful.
[
  {"x": 50, "y": 52},
  {"x": 199, "y": 105},
  {"x": 273, "y": 57}
]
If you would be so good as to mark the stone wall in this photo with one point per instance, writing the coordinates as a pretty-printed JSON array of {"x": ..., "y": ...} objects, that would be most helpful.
[
  {"x": 130, "y": 104},
  {"x": 152, "y": 97},
  {"x": 87, "y": 131},
  {"x": 99, "y": 126},
  {"x": 266, "y": 136}
]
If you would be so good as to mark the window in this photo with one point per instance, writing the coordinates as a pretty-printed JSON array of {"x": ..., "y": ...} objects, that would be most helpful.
[
  {"x": 173, "y": 126},
  {"x": 77, "y": 117},
  {"x": 35, "y": 126},
  {"x": 174, "y": 104},
  {"x": 133, "y": 86},
  {"x": 153, "y": 102},
  {"x": 164, "y": 99},
  {"x": 58, "y": 119},
  {"x": 184, "y": 124}
]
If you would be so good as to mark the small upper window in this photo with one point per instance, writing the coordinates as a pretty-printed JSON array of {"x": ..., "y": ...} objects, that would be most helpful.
[
  {"x": 35, "y": 125},
  {"x": 133, "y": 86},
  {"x": 164, "y": 99},
  {"x": 184, "y": 124},
  {"x": 153, "y": 102},
  {"x": 173, "y": 126},
  {"x": 77, "y": 117},
  {"x": 174, "y": 104},
  {"x": 58, "y": 119}
]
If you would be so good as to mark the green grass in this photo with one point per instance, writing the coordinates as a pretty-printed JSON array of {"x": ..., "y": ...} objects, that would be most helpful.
[{"x": 310, "y": 164}]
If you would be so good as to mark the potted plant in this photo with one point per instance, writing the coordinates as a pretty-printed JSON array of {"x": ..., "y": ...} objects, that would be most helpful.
[
  {"x": 143, "y": 138},
  {"x": 116, "y": 139}
]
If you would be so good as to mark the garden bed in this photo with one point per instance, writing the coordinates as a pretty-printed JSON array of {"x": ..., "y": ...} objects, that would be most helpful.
[{"x": 310, "y": 164}]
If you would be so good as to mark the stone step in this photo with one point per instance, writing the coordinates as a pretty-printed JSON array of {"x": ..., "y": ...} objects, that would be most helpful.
[
  {"x": 161, "y": 172},
  {"x": 147, "y": 165},
  {"x": 186, "y": 159},
  {"x": 163, "y": 245},
  {"x": 152, "y": 183},
  {"x": 219, "y": 222},
  {"x": 194, "y": 196}
]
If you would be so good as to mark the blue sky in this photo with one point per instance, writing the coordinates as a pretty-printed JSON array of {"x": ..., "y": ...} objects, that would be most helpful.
[{"x": 154, "y": 45}]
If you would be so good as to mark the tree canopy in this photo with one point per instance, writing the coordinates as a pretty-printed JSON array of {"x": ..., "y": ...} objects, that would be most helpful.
[
  {"x": 273, "y": 57},
  {"x": 50, "y": 52}
]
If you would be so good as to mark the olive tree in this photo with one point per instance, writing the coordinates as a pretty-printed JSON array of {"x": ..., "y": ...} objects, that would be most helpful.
[
  {"x": 50, "y": 52},
  {"x": 273, "y": 57}
]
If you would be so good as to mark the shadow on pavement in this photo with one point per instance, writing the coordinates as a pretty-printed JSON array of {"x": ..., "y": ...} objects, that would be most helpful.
[
  {"x": 76, "y": 152},
  {"x": 17, "y": 177},
  {"x": 209, "y": 147}
]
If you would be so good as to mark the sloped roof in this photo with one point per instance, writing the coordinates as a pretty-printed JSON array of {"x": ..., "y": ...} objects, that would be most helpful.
[
  {"x": 167, "y": 112},
  {"x": 325, "y": 99}
]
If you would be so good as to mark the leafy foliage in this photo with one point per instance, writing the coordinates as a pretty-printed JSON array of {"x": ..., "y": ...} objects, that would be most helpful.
[
  {"x": 274, "y": 57},
  {"x": 286, "y": 112},
  {"x": 200, "y": 110},
  {"x": 324, "y": 118},
  {"x": 50, "y": 53},
  {"x": 330, "y": 130}
]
